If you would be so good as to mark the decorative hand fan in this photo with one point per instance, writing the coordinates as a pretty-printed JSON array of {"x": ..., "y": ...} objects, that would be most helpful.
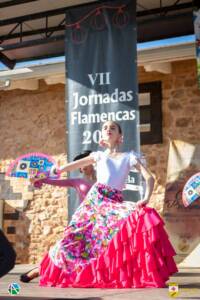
[
  {"x": 33, "y": 165},
  {"x": 191, "y": 190}
]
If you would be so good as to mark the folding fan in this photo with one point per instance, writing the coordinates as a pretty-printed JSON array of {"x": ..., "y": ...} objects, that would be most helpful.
[
  {"x": 191, "y": 190},
  {"x": 33, "y": 165}
]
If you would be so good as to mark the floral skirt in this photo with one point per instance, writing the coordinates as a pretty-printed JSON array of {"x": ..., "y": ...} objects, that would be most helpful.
[{"x": 110, "y": 244}]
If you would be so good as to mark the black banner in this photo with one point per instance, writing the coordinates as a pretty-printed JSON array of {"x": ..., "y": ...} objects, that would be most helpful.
[{"x": 101, "y": 79}]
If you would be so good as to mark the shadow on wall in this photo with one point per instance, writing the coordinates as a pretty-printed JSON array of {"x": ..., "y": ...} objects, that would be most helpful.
[{"x": 182, "y": 223}]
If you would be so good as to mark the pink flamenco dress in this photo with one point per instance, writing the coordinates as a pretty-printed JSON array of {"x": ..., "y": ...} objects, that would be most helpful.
[{"x": 109, "y": 244}]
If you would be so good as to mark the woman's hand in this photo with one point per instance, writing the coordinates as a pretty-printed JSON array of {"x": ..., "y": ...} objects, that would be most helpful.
[
  {"x": 33, "y": 180},
  {"x": 54, "y": 171},
  {"x": 141, "y": 203},
  {"x": 36, "y": 182}
]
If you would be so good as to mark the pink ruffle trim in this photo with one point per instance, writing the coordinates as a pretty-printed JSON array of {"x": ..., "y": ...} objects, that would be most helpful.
[{"x": 139, "y": 256}]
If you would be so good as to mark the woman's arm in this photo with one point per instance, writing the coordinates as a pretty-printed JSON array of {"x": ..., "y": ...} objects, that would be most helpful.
[
  {"x": 70, "y": 182},
  {"x": 149, "y": 183},
  {"x": 83, "y": 162}
]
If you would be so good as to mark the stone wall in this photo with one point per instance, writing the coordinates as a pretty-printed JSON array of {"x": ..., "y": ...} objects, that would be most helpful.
[
  {"x": 32, "y": 121},
  {"x": 181, "y": 110},
  {"x": 35, "y": 121}
]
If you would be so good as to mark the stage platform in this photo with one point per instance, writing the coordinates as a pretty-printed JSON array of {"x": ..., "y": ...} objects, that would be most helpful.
[{"x": 188, "y": 280}]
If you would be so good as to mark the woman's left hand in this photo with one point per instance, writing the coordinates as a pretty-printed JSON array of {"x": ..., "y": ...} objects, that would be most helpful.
[{"x": 141, "y": 203}]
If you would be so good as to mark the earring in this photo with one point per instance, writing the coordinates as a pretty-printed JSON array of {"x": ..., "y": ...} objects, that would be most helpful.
[{"x": 120, "y": 140}]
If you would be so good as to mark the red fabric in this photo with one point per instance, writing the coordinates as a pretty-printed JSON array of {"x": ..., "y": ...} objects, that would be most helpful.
[{"x": 139, "y": 256}]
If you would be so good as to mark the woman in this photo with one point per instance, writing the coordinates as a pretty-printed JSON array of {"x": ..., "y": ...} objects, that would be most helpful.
[{"x": 109, "y": 242}]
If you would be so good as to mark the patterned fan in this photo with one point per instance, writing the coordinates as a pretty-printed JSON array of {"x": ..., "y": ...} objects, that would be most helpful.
[
  {"x": 191, "y": 190},
  {"x": 33, "y": 165}
]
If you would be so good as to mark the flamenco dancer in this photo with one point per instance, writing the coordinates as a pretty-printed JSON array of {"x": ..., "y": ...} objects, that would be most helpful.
[
  {"x": 81, "y": 186},
  {"x": 109, "y": 242}
]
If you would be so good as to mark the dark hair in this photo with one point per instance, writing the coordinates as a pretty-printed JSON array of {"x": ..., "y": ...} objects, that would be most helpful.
[
  {"x": 82, "y": 155},
  {"x": 119, "y": 127}
]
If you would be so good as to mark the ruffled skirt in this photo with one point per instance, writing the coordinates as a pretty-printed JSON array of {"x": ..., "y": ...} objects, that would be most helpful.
[{"x": 108, "y": 244}]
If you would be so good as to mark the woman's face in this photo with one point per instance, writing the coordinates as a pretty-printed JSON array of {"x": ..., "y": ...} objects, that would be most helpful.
[{"x": 110, "y": 132}]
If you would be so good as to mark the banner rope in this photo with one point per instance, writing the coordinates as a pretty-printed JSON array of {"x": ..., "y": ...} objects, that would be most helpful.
[{"x": 96, "y": 11}]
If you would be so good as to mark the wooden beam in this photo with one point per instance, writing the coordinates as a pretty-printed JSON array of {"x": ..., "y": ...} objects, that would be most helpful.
[
  {"x": 15, "y": 2},
  {"x": 6, "y": 61}
]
